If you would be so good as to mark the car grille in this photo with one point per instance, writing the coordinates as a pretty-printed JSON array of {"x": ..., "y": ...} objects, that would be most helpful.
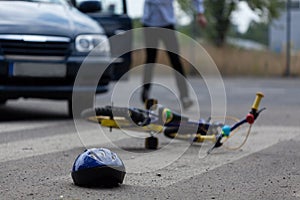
[{"x": 34, "y": 47}]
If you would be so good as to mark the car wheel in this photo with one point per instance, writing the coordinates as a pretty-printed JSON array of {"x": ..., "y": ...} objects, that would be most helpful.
[{"x": 3, "y": 101}]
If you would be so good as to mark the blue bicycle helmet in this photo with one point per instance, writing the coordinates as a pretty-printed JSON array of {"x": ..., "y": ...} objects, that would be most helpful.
[{"x": 98, "y": 167}]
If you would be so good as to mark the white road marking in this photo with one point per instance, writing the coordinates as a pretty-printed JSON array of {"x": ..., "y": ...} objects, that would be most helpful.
[
  {"x": 191, "y": 164},
  {"x": 181, "y": 167},
  {"x": 19, "y": 126},
  {"x": 52, "y": 144}
]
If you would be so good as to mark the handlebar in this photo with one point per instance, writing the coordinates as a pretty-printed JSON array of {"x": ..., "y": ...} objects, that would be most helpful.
[
  {"x": 253, "y": 114},
  {"x": 257, "y": 100},
  {"x": 250, "y": 118}
]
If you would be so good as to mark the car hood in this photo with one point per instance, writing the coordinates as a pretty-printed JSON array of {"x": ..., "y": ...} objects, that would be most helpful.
[{"x": 21, "y": 17}]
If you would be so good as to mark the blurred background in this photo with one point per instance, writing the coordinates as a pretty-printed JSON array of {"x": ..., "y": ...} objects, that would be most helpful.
[{"x": 250, "y": 38}]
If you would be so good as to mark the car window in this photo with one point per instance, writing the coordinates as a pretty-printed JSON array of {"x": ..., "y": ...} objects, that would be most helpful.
[
  {"x": 112, "y": 6},
  {"x": 109, "y": 6}
]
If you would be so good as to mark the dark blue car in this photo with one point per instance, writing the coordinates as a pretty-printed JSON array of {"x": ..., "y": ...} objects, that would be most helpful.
[{"x": 44, "y": 42}]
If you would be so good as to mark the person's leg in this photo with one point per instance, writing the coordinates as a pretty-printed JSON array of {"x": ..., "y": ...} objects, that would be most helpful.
[
  {"x": 179, "y": 74},
  {"x": 171, "y": 43},
  {"x": 148, "y": 72},
  {"x": 151, "y": 40}
]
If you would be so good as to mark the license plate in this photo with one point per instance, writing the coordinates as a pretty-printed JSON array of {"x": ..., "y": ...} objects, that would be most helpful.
[{"x": 38, "y": 69}]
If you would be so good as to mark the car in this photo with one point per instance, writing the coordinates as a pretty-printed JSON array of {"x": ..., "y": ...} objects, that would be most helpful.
[
  {"x": 43, "y": 44},
  {"x": 113, "y": 17}
]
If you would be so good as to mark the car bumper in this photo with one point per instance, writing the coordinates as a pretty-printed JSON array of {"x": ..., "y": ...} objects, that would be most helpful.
[{"x": 14, "y": 86}]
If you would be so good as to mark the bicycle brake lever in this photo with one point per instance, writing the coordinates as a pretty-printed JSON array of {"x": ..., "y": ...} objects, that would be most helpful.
[
  {"x": 261, "y": 110},
  {"x": 217, "y": 144},
  {"x": 258, "y": 112}
]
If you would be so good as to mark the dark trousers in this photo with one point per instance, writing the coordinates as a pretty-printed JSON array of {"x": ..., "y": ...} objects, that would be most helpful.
[{"x": 152, "y": 38}]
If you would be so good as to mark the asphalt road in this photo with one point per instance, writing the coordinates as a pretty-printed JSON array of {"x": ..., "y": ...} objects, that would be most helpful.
[{"x": 39, "y": 144}]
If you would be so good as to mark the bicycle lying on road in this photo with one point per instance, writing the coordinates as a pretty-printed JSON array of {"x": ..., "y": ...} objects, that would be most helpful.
[{"x": 157, "y": 119}]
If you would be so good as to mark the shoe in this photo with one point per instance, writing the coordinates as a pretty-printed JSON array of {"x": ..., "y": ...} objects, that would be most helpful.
[
  {"x": 186, "y": 102},
  {"x": 145, "y": 95}
]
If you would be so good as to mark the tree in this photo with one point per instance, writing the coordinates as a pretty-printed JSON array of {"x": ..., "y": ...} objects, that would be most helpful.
[
  {"x": 218, "y": 13},
  {"x": 257, "y": 32}
]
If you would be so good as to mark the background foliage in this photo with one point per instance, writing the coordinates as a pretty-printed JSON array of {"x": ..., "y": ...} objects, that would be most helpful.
[{"x": 218, "y": 13}]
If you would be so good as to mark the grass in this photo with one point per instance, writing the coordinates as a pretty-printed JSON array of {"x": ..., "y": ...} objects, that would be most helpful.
[{"x": 232, "y": 61}]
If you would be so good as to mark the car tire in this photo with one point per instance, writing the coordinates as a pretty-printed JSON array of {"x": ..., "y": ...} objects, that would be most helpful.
[{"x": 2, "y": 101}]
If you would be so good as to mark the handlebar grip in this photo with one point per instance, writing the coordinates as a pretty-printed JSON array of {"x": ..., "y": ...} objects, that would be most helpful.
[{"x": 257, "y": 100}]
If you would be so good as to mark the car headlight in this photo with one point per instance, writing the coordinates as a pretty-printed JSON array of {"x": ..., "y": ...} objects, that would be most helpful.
[{"x": 99, "y": 44}]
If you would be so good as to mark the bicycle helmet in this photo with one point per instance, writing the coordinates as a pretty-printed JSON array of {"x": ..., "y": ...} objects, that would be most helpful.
[{"x": 98, "y": 167}]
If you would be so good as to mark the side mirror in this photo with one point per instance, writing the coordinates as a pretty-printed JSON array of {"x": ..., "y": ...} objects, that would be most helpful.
[{"x": 90, "y": 6}]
